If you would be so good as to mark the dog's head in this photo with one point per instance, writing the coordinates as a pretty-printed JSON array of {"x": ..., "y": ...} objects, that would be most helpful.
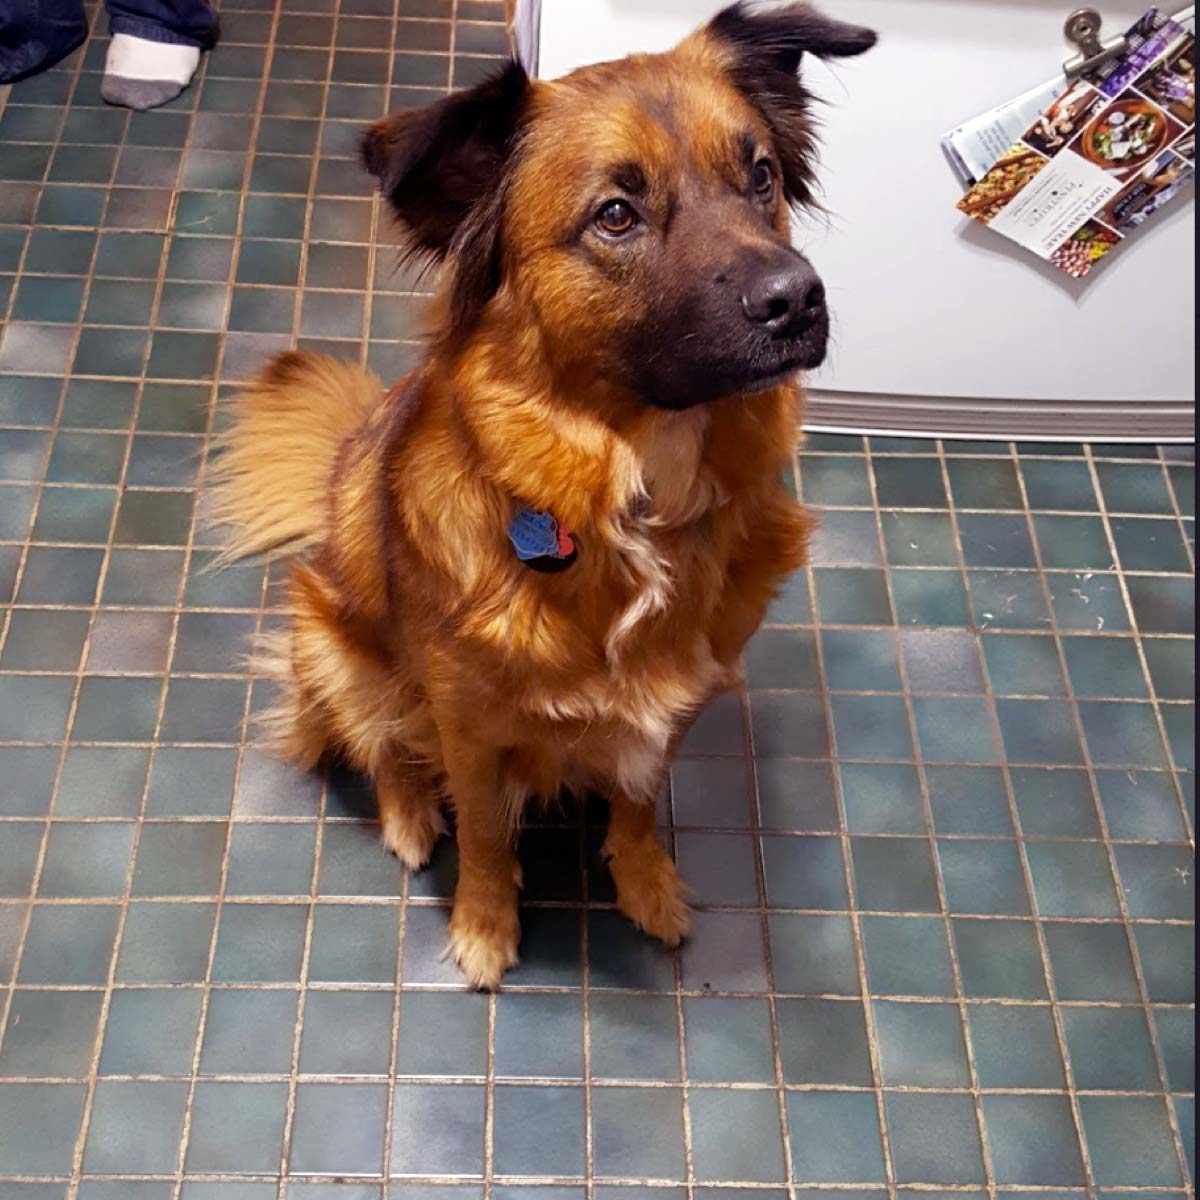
[{"x": 637, "y": 211}]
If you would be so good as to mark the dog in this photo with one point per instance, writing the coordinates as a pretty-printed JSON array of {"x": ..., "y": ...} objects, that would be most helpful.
[{"x": 531, "y": 563}]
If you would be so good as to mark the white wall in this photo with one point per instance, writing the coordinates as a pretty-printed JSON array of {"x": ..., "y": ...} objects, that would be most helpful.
[{"x": 927, "y": 302}]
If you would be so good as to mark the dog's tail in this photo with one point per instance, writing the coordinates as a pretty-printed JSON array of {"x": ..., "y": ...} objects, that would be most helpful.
[{"x": 271, "y": 478}]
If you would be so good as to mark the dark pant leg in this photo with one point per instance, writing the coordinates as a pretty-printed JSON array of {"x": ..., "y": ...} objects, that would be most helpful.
[
  {"x": 35, "y": 34},
  {"x": 184, "y": 22}
]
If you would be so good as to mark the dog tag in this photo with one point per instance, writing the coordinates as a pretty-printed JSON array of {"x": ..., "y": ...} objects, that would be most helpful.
[{"x": 540, "y": 542}]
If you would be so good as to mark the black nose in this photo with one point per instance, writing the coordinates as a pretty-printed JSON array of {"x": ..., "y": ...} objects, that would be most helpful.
[{"x": 784, "y": 300}]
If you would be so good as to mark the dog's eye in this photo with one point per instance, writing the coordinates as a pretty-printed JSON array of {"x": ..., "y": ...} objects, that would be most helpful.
[
  {"x": 616, "y": 217},
  {"x": 762, "y": 180}
]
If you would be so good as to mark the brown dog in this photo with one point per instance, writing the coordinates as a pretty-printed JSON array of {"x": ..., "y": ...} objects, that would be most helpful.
[{"x": 534, "y": 561}]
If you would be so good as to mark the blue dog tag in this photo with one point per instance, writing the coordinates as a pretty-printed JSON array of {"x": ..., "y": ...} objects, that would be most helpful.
[{"x": 533, "y": 534}]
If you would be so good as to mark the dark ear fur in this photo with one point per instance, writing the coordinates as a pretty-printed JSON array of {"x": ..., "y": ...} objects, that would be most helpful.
[
  {"x": 765, "y": 47},
  {"x": 441, "y": 166}
]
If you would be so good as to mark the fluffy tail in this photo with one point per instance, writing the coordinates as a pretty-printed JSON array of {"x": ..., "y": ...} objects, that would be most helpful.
[{"x": 271, "y": 479}]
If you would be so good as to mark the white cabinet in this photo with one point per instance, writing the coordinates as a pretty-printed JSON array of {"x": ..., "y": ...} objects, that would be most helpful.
[{"x": 941, "y": 324}]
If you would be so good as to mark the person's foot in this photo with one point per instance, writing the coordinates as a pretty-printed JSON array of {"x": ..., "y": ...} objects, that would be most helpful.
[{"x": 139, "y": 73}]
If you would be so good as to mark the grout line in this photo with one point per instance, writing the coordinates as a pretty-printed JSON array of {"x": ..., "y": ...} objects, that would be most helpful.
[
  {"x": 264, "y": 584},
  {"x": 1147, "y": 678},
  {"x": 843, "y": 833},
  {"x": 131, "y": 866},
  {"x": 1102, "y": 820},
  {"x": 6, "y": 620},
  {"x": 898, "y": 646}
]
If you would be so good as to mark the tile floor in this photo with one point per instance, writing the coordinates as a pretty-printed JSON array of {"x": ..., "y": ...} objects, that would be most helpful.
[{"x": 942, "y": 848}]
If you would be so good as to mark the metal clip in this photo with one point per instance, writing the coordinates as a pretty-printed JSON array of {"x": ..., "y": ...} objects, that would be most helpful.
[{"x": 1083, "y": 29}]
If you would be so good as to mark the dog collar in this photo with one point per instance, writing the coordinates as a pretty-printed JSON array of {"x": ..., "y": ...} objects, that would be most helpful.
[{"x": 540, "y": 541}]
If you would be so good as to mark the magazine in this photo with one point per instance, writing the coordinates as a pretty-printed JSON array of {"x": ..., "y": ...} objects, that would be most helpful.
[{"x": 1100, "y": 158}]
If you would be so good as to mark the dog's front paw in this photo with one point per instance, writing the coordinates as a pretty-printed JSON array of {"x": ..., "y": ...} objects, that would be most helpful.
[
  {"x": 483, "y": 941},
  {"x": 650, "y": 892},
  {"x": 410, "y": 832}
]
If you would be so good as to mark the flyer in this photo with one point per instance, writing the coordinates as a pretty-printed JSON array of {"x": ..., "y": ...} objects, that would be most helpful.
[{"x": 1106, "y": 153}]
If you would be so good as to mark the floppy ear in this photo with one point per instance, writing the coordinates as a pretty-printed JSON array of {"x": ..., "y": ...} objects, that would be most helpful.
[
  {"x": 761, "y": 50},
  {"x": 442, "y": 168}
]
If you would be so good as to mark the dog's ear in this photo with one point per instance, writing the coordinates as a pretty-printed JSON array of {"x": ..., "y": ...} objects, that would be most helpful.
[
  {"x": 761, "y": 49},
  {"x": 437, "y": 164}
]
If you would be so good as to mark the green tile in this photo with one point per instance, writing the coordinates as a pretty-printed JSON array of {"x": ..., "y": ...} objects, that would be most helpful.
[
  {"x": 74, "y": 514},
  {"x": 930, "y": 599},
  {"x": 920, "y": 1045},
  {"x": 188, "y": 356},
  {"x": 1157, "y": 881},
  {"x": 1033, "y": 1140},
  {"x": 834, "y": 1137},
  {"x": 907, "y": 956},
  {"x": 213, "y": 214},
  {"x": 1163, "y": 605},
  {"x": 845, "y": 538},
  {"x": 260, "y": 943},
  {"x": 119, "y": 302},
  {"x": 871, "y": 727},
  {"x": 984, "y": 483},
  {"x": 836, "y": 481},
  {"x": 1059, "y": 486},
  {"x": 914, "y": 539},
  {"x": 1129, "y": 1141},
  {"x": 1020, "y": 665},
  {"x": 1039, "y": 732},
  {"x": 801, "y": 872},
  {"x": 48, "y": 298},
  {"x": 882, "y": 798},
  {"x": 955, "y": 729},
  {"x": 110, "y": 352},
  {"x": 995, "y": 541},
  {"x": 1140, "y": 805},
  {"x": 1130, "y": 488},
  {"x": 50, "y": 1034},
  {"x": 541, "y": 1036},
  {"x": 86, "y": 860},
  {"x": 783, "y": 658},
  {"x": 982, "y": 877},
  {"x": 968, "y": 800},
  {"x": 1150, "y": 544},
  {"x": 1172, "y": 664},
  {"x": 860, "y": 660},
  {"x": 756, "y": 1155},
  {"x": 154, "y": 518},
  {"x": 151, "y": 1032},
  {"x": 274, "y": 217},
  {"x": 1072, "y": 543},
  {"x": 784, "y": 725},
  {"x": 1091, "y": 962},
  {"x": 729, "y": 1041},
  {"x": 42, "y": 1123},
  {"x": 1084, "y": 600},
  {"x": 1110, "y": 1049},
  {"x": 1000, "y": 959},
  {"x": 1054, "y": 803},
  {"x": 636, "y": 1132},
  {"x": 1122, "y": 733},
  {"x": 47, "y": 641},
  {"x": 262, "y": 310},
  {"x": 1104, "y": 666},
  {"x": 249, "y": 1032},
  {"x": 274, "y": 263},
  {"x": 1015, "y": 1046},
  {"x": 935, "y": 1138}
]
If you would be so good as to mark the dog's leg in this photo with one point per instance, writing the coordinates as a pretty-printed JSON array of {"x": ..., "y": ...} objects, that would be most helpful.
[
  {"x": 484, "y": 926},
  {"x": 649, "y": 890},
  {"x": 410, "y": 816}
]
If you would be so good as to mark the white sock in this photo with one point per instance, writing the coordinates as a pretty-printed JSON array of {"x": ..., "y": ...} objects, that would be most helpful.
[{"x": 140, "y": 73}]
